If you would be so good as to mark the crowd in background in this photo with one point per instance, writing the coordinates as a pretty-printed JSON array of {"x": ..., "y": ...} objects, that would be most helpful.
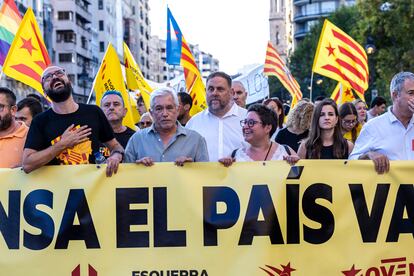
[{"x": 74, "y": 133}]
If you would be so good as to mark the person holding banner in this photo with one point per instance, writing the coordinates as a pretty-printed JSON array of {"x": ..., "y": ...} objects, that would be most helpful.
[
  {"x": 166, "y": 140},
  {"x": 68, "y": 133},
  {"x": 220, "y": 123},
  {"x": 325, "y": 139},
  {"x": 391, "y": 135},
  {"x": 258, "y": 127}
]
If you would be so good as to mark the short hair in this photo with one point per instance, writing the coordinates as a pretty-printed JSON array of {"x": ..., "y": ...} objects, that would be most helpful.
[
  {"x": 164, "y": 91},
  {"x": 266, "y": 115},
  {"x": 319, "y": 98},
  {"x": 113, "y": 92},
  {"x": 221, "y": 75},
  {"x": 378, "y": 101},
  {"x": 185, "y": 98},
  {"x": 240, "y": 83},
  {"x": 398, "y": 80},
  {"x": 34, "y": 96},
  {"x": 140, "y": 99},
  {"x": 34, "y": 105},
  {"x": 10, "y": 96}
]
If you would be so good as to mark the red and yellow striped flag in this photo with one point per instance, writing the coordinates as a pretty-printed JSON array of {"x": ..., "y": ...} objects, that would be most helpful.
[
  {"x": 342, "y": 94},
  {"x": 341, "y": 58},
  {"x": 274, "y": 66},
  {"x": 27, "y": 57},
  {"x": 193, "y": 80}
]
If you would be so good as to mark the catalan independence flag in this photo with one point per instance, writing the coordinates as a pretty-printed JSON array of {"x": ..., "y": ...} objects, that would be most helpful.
[
  {"x": 179, "y": 53},
  {"x": 341, "y": 58},
  {"x": 274, "y": 66},
  {"x": 10, "y": 20}
]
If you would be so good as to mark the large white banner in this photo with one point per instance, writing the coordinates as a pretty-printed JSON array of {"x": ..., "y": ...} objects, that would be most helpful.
[{"x": 255, "y": 83}]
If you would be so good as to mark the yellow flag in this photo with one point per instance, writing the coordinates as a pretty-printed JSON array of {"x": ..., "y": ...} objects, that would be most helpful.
[
  {"x": 135, "y": 79},
  {"x": 342, "y": 94},
  {"x": 27, "y": 57},
  {"x": 110, "y": 77},
  {"x": 341, "y": 58}
]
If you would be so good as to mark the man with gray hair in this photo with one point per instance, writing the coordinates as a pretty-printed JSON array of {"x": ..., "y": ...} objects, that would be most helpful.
[
  {"x": 239, "y": 93},
  {"x": 391, "y": 135},
  {"x": 166, "y": 140}
]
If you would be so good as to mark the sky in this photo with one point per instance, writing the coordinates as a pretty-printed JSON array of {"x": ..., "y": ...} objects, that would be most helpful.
[{"x": 233, "y": 31}]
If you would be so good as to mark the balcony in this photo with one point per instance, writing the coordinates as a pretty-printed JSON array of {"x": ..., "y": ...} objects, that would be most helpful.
[{"x": 308, "y": 17}]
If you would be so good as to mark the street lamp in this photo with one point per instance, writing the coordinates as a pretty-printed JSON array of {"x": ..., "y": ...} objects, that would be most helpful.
[{"x": 371, "y": 49}]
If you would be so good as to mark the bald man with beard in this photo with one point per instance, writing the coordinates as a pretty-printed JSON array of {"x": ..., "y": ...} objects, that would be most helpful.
[{"x": 69, "y": 133}]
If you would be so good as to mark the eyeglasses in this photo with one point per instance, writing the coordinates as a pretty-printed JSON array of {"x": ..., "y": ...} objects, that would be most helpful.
[
  {"x": 48, "y": 77},
  {"x": 2, "y": 106},
  {"x": 349, "y": 122},
  {"x": 144, "y": 124},
  {"x": 249, "y": 123}
]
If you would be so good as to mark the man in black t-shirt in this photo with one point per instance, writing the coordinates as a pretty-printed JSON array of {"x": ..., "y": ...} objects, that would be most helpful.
[
  {"x": 114, "y": 109},
  {"x": 68, "y": 133}
]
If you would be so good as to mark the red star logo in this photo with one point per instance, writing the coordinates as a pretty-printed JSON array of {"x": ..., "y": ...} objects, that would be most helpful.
[
  {"x": 330, "y": 49},
  {"x": 348, "y": 92},
  {"x": 27, "y": 44},
  {"x": 287, "y": 270},
  {"x": 351, "y": 272}
]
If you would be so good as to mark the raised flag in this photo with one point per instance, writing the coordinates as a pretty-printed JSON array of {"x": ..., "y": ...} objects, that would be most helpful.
[
  {"x": 274, "y": 66},
  {"x": 10, "y": 20},
  {"x": 178, "y": 47},
  {"x": 134, "y": 78},
  {"x": 342, "y": 94},
  {"x": 27, "y": 57},
  {"x": 341, "y": 58},
  {"x": 109, "y": 77}
]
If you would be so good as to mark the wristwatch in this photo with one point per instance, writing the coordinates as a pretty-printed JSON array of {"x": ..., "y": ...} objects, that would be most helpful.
[{"x": 120, "y": 152}]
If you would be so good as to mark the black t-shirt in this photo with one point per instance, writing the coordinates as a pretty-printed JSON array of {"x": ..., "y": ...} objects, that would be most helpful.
[
  {"x": 47, "y": 127},
  {"x": 284, "y": 136},
  {"x": 122, "y": 138}
]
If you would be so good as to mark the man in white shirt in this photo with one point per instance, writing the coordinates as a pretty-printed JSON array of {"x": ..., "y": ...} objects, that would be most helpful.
[
  {"x": 391, "y": 135},
  {"x": 220, "y": 123}
]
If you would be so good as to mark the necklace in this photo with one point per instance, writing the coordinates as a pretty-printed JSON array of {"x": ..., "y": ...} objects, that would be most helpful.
[{"x": 268, "y": 151}]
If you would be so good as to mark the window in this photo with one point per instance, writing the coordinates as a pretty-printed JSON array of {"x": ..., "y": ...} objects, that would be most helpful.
[
  {"x": 328, "y": 7},
  {"x": 66, "y": 57},
  {"x": 65, "y": 15},
  {"x": 133, "y": 10},
  {"x": 101, "y": 25},
  {"x": 66, "y": 36},
  {"x": 101, "y": 46},
  {"x": 100, "y": 4}
]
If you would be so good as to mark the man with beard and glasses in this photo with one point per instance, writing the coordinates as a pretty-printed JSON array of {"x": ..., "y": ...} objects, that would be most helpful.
[
  {"x": 68, "y": 133},
  {"x": 12, "y": 133},
  {"x": 220, "y": 123}
]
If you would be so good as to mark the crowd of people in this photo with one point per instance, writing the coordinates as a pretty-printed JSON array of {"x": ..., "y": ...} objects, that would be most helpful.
[{"x": 70, "y": 133}]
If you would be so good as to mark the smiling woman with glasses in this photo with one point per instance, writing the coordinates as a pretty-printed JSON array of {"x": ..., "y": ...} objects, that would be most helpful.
[
  {"x": 258, "y": 127},
  {"x": 349, "y": 122}
]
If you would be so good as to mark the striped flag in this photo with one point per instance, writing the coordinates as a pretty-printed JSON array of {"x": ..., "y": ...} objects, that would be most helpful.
[
  {"x": 341, "y": 58},
  {"x": 178, "y": 52},
  {"x": 274, "y": 66},
  {"x": 27, "y": 57},
  {"x": 10, "y": 20},
  {"x": 342, "y": 94}
]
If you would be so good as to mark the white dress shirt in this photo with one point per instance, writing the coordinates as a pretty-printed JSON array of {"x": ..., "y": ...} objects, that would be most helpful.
[
  {"x": 385, "y": 134},
  {"x": 223, "y": 135}
]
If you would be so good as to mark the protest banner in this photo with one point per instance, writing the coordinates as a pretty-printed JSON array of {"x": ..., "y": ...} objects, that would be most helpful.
[{"x": 318, "y": 218}]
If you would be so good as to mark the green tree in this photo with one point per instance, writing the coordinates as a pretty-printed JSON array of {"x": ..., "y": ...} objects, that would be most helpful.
[
  {"x": 301, "y": 61},
  {"x": 390, "y": 26}
]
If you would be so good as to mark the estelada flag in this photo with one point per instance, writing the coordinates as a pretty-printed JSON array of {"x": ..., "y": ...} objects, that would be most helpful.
[
  {"x": 341, "y": 58},
  {"x": 274, "y": 66},
  {"x": 109, "y": 77},
  {"x": 27, "y": 57},
  {"x": 178, "y": 52},
  {"x": 10, "y": 20},
  {"x": 134, "y": 78},
  {"x": 342, "y": 94}
]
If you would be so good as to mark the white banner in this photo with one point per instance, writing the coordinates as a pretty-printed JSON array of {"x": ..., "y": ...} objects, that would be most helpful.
[{"x": 255, "y": 83}]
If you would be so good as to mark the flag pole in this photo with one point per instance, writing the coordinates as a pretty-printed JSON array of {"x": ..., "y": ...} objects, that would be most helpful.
[
  {"x": 91, "y": 92},
  {"x": 311, "y": 86}
]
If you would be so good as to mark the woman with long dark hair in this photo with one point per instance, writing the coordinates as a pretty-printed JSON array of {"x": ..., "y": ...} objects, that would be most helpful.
[
  {"x": 277, "y": 106},
  {"x": 349, "y": 122},
  {"x": 325, "y": 140}
]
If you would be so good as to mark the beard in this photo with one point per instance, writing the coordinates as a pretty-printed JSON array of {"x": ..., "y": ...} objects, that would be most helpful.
[
  {"x": 61, "y": 94},
  {"x": 5, "y": 121}
]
